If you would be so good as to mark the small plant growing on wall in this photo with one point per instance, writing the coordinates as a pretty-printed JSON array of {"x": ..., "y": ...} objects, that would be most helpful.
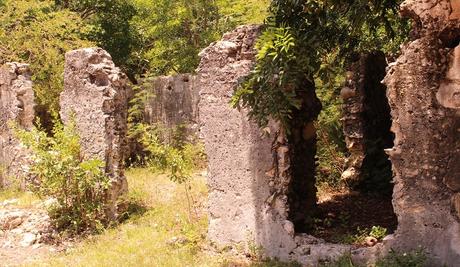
[{"x": 77, "y": 185}]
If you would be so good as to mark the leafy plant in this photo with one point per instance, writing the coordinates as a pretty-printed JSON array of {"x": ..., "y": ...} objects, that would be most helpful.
[
  {"x": 376, "y": 232},
  {"x": 178, "y": 161},
  {"x": 312, "y": 40},
  {"x": 78, "y": 185}
]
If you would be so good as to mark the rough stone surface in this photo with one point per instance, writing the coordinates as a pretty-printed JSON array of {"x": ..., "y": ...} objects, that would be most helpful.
[
  {"x": 172, "y": 101},
  {"x": 366, "y": 120},
  {"x": 95, "y": 92},
  {"x": 426, "y": 122},
  {"x": 352, "y": 95},
  {"x": 17, "y": 106},
  {"x": 248, "y": 179}
]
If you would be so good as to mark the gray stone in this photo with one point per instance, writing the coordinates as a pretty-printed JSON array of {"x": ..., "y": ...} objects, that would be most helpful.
[
  {"x": 426, "y": 138},
  {"x": 28, "y": 239},
  {"x": 17, "y": 106},
  {"x": 172, "y": 101},
  {"x": 95, "y": 91},
  {"x": 247, "y": 192}
]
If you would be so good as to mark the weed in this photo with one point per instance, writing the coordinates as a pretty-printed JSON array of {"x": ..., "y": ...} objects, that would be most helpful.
[
  {"x": 377, "y": 232},
  {"x": 409, "y": 259},
  {"x": 343, "y": 261}
]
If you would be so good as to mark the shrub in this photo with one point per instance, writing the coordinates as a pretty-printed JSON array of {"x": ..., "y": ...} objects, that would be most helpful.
[
  {"x": 172, "y": 150},
  {"x": 177, "y": 157},
  {"x": 60, "y": 172}
]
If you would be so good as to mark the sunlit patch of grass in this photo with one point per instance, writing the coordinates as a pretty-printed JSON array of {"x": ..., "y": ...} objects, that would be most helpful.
[
  {"x": 168, "y": 233},
  {"x": 20, "y": 199}
]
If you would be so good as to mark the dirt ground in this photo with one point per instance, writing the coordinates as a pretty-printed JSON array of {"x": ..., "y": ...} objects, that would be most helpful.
[{"x": 342, "y": 214}]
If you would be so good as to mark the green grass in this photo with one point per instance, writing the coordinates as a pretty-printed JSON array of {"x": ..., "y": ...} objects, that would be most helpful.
[
  {"x": 145, "y": 239},
  {"x": 24, "y": 199}
]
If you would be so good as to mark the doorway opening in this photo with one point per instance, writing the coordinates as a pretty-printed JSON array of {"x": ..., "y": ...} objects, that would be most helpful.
[{"x": 353, "y": 177}]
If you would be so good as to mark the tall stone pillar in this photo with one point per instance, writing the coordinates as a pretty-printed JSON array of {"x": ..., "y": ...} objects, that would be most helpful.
[
  {"x": 95, "y": 92},
  {"x": 424, "y": 99},
  {"x": 17, "y": 106}
]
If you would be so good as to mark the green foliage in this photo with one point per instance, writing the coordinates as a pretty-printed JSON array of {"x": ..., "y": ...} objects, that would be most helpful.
[
  {"x": 416, "y": 258},
  {"x": 300, "y": 37},
  {"x": 111, "y": 29},
  {"x": 179, "y": 159},
  {"x": 331, "y": 149},
  {"x": 173, "y": 33},
  {"x": 35, "y": 32},
  {"x": 376, "y": 232},
  {"x": 276, "y": 47},
  {"x": 78, "y": 185},
  {"x": 237, "y": 12}
]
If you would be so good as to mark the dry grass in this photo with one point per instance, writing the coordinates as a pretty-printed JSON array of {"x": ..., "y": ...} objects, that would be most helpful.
[{"x": 146, "y": 239}]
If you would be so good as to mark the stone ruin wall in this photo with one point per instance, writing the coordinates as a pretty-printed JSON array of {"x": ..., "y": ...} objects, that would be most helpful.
[
  {"x": 423, "y": 90},
  {"x": 172, "y": 101},
  {"x": 366, "y": 119},
  {"x": 96, "y": 93},
  {"x": 246, "y": 204},
  {"x": 17, "y": 106},
  {"x": 352, "y": 95}
]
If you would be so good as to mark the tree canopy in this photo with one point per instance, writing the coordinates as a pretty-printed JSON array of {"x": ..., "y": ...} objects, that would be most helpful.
[
  {"x": 312, "y": 40},
  {"x": 144, "y": 37}
]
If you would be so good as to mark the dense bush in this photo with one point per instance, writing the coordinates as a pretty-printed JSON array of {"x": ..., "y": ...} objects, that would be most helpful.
[{"x": 60, "y": 173}]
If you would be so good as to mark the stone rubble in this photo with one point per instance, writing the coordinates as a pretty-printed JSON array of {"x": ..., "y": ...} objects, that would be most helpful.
[{"x": 26, "y": 228}]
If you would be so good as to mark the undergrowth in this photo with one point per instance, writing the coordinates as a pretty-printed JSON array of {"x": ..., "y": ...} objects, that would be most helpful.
[
  {"x": 59, "y": 172},
  {"x": 416, "y": 258}
]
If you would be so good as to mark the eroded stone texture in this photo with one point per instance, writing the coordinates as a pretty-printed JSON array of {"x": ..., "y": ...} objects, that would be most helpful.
[
  {"x": 366, "y": 122},
  {"x": 17, "y": 106},
  {"x": 95, "y": 92},
  {"x": 352, "y": 95},
  {"x": 173, "y": 101},
  {"x": 426, "y": 155},
  {"x": 249, "y": 169}
]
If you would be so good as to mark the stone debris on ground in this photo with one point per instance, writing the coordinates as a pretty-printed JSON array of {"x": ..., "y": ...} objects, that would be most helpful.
[{"x": 25, "y": 228}]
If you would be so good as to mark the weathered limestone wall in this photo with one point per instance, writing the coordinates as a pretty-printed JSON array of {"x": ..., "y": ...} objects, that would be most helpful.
[
  {"x": 424, "y": 99},
  {"x": 95, "y": 91},
  {"x": 249, "y": 178},
  {"x": 248, "y": 175},
  {"x": 352, "y": 95},
  {"x": 172, "y": 101},
  {"x": 366, "y": 122},
  {"x": 17, "y": 105}
]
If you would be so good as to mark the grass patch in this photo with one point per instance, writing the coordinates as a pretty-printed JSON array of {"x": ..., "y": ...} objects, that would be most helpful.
[
  {"x": 21, "y": 199},
  {"x": 167, "y": 233}
]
